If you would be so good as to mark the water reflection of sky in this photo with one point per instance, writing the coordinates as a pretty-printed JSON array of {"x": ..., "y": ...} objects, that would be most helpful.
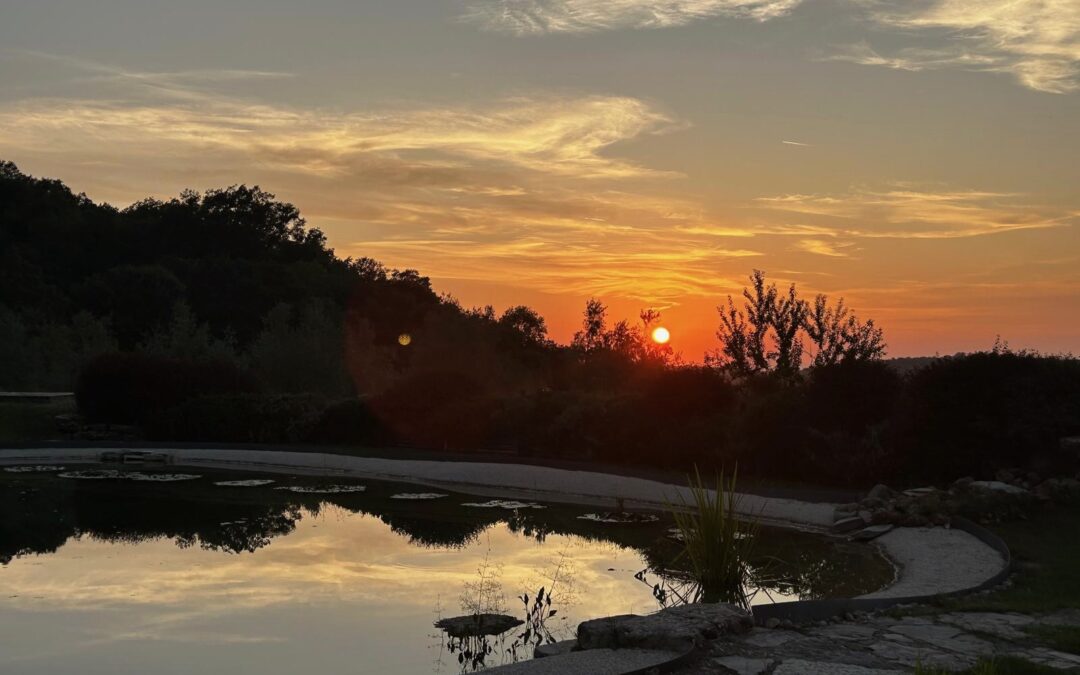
[{"x": 341, "y": 593}]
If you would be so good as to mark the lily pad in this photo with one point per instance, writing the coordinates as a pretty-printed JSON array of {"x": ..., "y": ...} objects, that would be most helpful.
[
  {"x": 94, "y": 474},
  {"x": 322, "y": 489},
  {"x": 37, "y": 468},
  {"x": 504, "y": 504},
  {"x": 252, "y": 482},
  {"x": 418, "y": 495},
  {"x": 161, "y": 477}
]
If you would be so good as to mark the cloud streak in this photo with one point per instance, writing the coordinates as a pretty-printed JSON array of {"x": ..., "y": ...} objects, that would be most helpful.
[
  {"x": 1036, "y": 41},
  {"x": 539, "y": 17},
  {"x": 906, "y": 212}
]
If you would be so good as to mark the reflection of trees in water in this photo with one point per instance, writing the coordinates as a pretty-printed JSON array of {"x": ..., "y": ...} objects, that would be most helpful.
[
  {"x": 436, "y": 533},
  {"x": 38, "y": 513}
]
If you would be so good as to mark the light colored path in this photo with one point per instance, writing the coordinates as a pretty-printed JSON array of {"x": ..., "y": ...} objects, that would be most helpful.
[
  {"x": 936, "y": 560},
  {"x": 929, "y": 560}
]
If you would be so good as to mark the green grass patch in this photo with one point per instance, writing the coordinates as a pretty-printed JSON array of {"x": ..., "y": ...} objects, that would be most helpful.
[
  {"x": 1061, "y": 638},
  {"x": 1045, "y": 551}
]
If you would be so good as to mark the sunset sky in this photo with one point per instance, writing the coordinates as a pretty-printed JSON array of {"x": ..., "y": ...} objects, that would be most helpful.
[{"x": 919, "y": 157}]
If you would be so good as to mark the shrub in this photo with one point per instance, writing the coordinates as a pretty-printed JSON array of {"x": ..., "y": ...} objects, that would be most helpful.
[
  {"x": 127, "y": 388},
  {"x": 239, "y": 418},
  {"x": 350, "y": 421},
  {"x": 979, "y": 412},
  {"x": 437, "y": 409}
]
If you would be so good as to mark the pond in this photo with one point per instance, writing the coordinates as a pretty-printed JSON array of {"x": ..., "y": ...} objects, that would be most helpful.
[{"x": 128, "y": 571}]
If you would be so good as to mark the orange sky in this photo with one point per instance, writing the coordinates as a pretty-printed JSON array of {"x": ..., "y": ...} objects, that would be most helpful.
[{"x": 917, "y": 158}]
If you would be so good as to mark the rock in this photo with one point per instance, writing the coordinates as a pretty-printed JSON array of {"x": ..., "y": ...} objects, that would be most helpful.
[
  {"x": 594, "y": 662},
  {"x": 847, "y": 508},
  {"x": 773, "y": 622},
  {"x": 743, "y": 665},
  {"x": 787, "y": 624},
  {"x": 846, "y": 631},
  {"x": 848, "y": 525},
  {"x": 472, "y": 625},
  {"x": 839, "y": 515},
  {"x": 915, "y": 520},
  {"x": 948, "y": 638},
  {"x": 873, "y": 503},
  {"x": 676, "y": 629},
  {"x": 998, "y": 486},
  {"x": 554, "y": 648},
  {"x": 803, "y": 667},
  {"x": 920, "y": 492},
  {"x": 1004, "y": 476},
  {"x": 1004, "y": 626},
  {"x": 770, "y": 639},
  {"x": 882, "y": 492},
  {"x": 886, "y": 518},
  {"x": 868, "y": 534},
  {"x": 964, "y": 482}
]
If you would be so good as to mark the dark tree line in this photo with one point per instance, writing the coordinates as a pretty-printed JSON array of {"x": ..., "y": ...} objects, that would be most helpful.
[{"x": 222, "y": 316}]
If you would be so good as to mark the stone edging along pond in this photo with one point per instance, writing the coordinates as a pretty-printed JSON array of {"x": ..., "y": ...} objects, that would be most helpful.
[{"x": 931, "y": 552}]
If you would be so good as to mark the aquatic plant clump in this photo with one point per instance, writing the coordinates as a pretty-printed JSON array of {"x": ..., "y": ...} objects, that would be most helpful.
[
  {"x": 253, "y": 482},
  {"x": 504, "y": 504},
  {"x": 322, "y": 489},
  {"x": 419, "y": 496},
  {"x": 717, "y": 543},
  {"x": 37, "y": 468}
]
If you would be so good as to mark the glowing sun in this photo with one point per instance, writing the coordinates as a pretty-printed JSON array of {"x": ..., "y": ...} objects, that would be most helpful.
[{"x": 661, "y": 335}]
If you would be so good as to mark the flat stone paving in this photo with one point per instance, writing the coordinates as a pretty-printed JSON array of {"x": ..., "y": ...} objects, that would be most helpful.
[
  {"x": 590, "y": 662},
  {"x": 878, "y": 645}
]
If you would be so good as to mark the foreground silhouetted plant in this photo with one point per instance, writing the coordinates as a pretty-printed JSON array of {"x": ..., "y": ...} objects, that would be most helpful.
[{"x": 717, "y": 543}]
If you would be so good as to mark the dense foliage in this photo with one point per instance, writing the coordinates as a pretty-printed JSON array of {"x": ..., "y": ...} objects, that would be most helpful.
[{"x": 221, "y": 316}]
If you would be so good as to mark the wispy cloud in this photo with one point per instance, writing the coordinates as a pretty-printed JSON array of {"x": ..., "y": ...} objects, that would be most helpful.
[
  {"x": 527, "y": 189},
  {"x": 537, "y": 17},
  {"x": 796, "y": 143},
  {"x": 826, "y": 248},
  {"x": 905, "y": 212},
  {"x": 1037, "y": 41}
]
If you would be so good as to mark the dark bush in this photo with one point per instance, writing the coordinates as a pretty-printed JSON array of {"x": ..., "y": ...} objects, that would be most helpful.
[
  {"x": 976, "y": 413},
  {"x": 350, "y": 421},
  {"x": 126, "y": 388},
  {"x": 239, "y": 418},
  {"x": 437, "y": 409}
]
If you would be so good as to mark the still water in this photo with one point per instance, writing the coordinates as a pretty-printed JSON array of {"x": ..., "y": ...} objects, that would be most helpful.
[{"x": 112, "y": 575}]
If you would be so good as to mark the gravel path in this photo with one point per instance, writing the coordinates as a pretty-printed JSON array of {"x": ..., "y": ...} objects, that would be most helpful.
[{"x": 936, "y": 560}]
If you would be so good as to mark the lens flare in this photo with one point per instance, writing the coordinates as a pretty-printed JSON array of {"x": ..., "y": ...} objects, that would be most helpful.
[
  {"x": 404, "y": 339},
  {"x": 661, "y": 335}
]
